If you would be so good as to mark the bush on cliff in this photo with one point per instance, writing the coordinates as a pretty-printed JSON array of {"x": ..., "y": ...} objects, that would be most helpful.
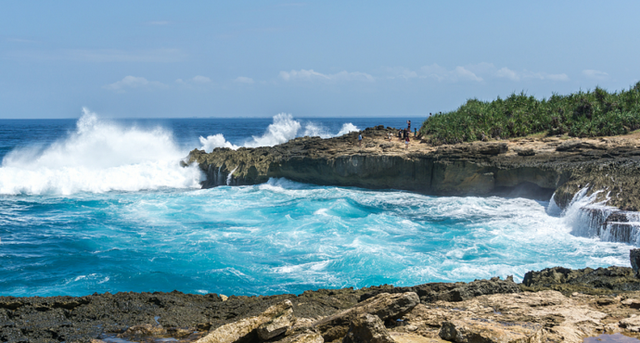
[{"x": 583, "y": 114}]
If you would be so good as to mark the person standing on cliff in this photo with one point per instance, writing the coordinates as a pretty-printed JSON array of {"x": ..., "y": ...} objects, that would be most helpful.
[
  {"x": 406, "y": 142},
  {"x": 359, "y": 139},
  {"x": 409, "y": 125}
]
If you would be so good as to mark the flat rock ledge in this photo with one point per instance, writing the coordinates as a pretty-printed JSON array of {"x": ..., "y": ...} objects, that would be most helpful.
[
  {"x": 533, "y": 167},
  {"x": 606, "y": 168},
  {"x": 552, "y": 305}
]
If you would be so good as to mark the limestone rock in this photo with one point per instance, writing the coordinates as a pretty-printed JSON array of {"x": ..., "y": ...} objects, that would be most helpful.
[
  {"x": 632, "y": 323},
  {"x": 632, "y": 303},
  {"x": 367, "y": 328},
  {"x": 384, "y": 305},
  {"x": 276, "y": 327},
  {"x": 143, "y": 330},
  {"x": 634, "y": 256},
  {"x": 545, "y": 315},
  {"x": 304, "y": 337},
  {"x": 469, "y": 331},
  {"x": 246, "y": 328}
]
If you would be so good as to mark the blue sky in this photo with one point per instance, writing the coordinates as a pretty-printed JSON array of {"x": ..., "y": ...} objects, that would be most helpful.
[{"x": 310, "y": 59}]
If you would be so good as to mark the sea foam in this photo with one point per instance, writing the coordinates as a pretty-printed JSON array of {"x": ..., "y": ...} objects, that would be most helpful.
[
  {"x": 99, "y": 156},
  {"x": 283, "y": 129}
]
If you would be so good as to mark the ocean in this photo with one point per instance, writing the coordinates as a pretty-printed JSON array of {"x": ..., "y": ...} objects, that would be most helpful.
[{"x": 102, "y": 205}]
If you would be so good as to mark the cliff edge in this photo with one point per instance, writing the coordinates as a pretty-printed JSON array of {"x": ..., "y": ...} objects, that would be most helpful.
[{"x": 608, "y": 167}]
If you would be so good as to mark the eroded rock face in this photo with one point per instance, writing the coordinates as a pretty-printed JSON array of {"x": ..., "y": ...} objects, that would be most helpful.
[
  {"x": 385, "y": 306},
  {"x": 527, "y": 317},
  {"x": 367, "y": 328},
  {"x": 523, "y": 167},
  {"x": 469, "y": 330},
  {"x": 590, "y": 281},
  {"x": 269, "y": 324}
]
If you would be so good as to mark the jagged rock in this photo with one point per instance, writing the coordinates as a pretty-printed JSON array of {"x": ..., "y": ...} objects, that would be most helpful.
[
  {"x": 303, "y": 337},
  {"x": 632, "y": 323},
  {"x": 592, "y": 281},
  {"x": 491, "y": 148},
  {"x": 276, "y": 327},
  {"x": 143, "y": 330},
  {"x": 246, "y": 328},
  {"x": 571, "y": 145},
  {"x": 471, "y": 331},
  {"x": 632, "y": 303},
  {"x": 367, "y": 328},
  {"x": 526, "y": 152},
  {"x": 634, "y": 256},
  {"x": 385, "y": 306},
  {"x": 545, "y": 315}
]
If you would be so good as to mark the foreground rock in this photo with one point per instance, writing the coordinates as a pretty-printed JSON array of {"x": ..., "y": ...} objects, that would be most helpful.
[
  {"x": 556, "y": 305},
  {"x": 276, "y": 320},
  {"x": 385, "y": 306},
  {"x": 367, "y": 328}
]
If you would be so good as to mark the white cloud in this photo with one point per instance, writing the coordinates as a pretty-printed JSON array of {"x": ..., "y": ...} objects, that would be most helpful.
[
  {"x": 201, "y": 79},
  {"x": 442, "y": 74},
  {"x": 595, "y": 74},
  {"x": 243, "y": 79},
  {"x": 508, "y": 73},
  {"x": 133, "y": 82},
  {"x": 196, "y": 80},
  {"x": 311, "y": 75},
  {"x": 556, "y": 77},
  {"x": 401, "y": 73}
]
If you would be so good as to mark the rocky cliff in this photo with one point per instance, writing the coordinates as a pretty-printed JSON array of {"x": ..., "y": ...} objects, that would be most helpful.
[
  {"x": 524, "y": 167},
  {"x": 606, "y": 169}
]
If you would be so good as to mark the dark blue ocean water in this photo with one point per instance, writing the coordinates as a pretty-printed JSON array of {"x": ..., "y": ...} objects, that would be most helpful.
[{"x": 96, "y": 205}]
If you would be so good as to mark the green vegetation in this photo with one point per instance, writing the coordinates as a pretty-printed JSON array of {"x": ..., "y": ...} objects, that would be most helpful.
[{"x": 584, "y": 114}]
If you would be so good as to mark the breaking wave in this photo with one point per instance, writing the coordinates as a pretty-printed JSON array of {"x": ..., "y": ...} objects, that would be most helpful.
[
  {"x": 283, "y": 129},
  {"x": 99, "y": 156}
]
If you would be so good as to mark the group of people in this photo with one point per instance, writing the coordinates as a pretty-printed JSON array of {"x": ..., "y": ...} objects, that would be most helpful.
[{"x": 402, "y": 134}]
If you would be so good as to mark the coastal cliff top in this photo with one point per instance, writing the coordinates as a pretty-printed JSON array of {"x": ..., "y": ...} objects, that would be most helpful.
[{"x": 607, "y": 166}]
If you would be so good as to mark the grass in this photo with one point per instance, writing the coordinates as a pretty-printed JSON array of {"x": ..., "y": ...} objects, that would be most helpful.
[{"x": 583, "y": 114}]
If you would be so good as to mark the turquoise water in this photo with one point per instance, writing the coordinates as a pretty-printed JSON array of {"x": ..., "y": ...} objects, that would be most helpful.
[{"x": 87, "y": 212}]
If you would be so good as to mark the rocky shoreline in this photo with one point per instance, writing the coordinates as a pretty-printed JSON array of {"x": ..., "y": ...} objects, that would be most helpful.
[
  {"x": 552, "y": 305},
  {"x": 606, "y": 169}
]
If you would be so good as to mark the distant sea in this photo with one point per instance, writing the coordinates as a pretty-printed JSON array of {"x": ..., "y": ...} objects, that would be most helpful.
[{"x": 102, "y": 205}]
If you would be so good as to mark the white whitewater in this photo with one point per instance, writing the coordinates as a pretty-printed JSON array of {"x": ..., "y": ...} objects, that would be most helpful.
[
  {"x": 99, "y": 156},
  {"x": 283, "y": 129},
  {"x": 588, "y": 218}
]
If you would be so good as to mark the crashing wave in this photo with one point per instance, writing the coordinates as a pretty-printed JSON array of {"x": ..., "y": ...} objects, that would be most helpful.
[
  {"x": 588, "y": 218},
  {"x": 99, "y": 156},
  {"x": 283, "y": 129}
]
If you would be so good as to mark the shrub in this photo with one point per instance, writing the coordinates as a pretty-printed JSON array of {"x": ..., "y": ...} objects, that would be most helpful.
[{"x": 583, "y": 114}]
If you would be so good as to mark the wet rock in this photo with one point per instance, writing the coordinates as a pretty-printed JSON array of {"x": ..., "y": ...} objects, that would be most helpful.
[
  {"x": 143, "y": 330},
  {"x": 245, "y": 329},
  {"x": 634, "y": 256},
  {"x": 590, "y": 281},
  {"x": 367, "y": 328},
  {"x": 10, "y": 304},
  {"x": 385, "y": 306}
]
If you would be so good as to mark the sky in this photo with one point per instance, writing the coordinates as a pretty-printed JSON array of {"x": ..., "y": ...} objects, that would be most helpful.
[{"x": 161, "y": 59}]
